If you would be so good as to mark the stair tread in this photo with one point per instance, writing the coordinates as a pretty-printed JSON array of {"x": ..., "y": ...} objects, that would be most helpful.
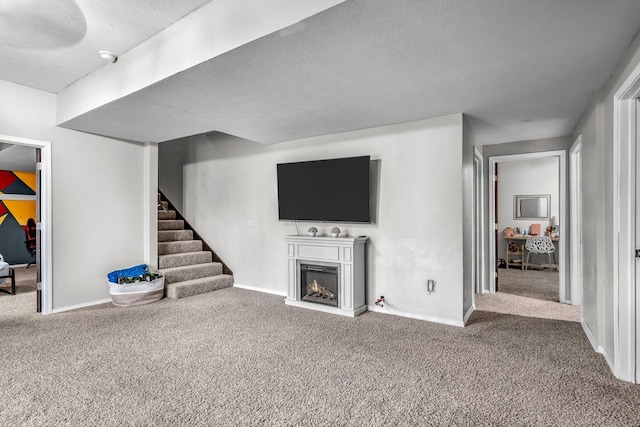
[
  {"x": 187, "y": 267},
  {"x": 179, "y": 247},
  {"x": 185, "y": 259},
  {"x": 178, "y": 242},
  {"x": 170, "y": 224},
  {"x": 174, "y": 235},
  {"x": 182, "y": 254},
  {"x": 165, "y": 215},
  {"x": 199, "y": 286},
  {"x": 200, "y": 280}
]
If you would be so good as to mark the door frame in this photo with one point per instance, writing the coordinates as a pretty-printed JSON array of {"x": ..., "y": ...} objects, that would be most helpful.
[
  {"x": 45, "y": 211},
  {"x": 562, "y": 155},
  {"x": 478, "y": 221},
  {"x": 575, "y": 203},
  {"x": 626, "y": 325}
]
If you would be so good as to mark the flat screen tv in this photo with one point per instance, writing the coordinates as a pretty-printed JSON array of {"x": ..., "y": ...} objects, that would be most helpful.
[{"x": 334, "y": 190}]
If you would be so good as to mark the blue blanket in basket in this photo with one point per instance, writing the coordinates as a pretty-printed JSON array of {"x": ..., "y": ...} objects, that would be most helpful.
[{"x": 138, "y": 270}]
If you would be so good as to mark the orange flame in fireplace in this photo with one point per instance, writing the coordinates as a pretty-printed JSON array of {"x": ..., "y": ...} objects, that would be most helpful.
[{"x": 319, "y": 289}]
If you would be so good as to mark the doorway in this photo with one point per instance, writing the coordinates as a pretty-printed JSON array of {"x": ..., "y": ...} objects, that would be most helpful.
[
  {"x": 560, "y": 158},
  {"x": 44, "y": 297},
  {"x": 575, "y": 201}
]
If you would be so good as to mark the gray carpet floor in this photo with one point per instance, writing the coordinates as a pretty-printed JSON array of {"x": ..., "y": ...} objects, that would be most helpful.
[
  {"x": 25, "y": 282},
  {"x": 237, "y": 357},
  {"x": 528, "y": 293},
  {"x": 537, "y": 284}
]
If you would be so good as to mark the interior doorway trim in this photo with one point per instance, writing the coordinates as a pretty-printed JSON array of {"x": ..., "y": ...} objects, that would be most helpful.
[
  {"x": 478, "y": 221},
  {"x": 562, "y": 155},
  {"x": 45, "y": 197},
  {"x": 575, "y": 196},
  {"x": 626, "y": 325}
]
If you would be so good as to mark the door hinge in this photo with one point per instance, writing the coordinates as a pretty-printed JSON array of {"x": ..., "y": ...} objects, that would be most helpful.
[
  {"x": 495, "y": 177},
  {"x": 496, "y": 224},
  {"x": 637, "y": 253},
  {"x": 39, "y": 166},
  {"x": 495, "y": 274},
  {"x": 39, "y": 286},
  {"x": 38, "y": 226}
]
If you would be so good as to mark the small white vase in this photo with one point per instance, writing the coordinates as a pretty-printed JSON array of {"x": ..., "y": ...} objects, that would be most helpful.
[
  {"x": 335, "y": 234},
  {"x": 312, "y": 233}
]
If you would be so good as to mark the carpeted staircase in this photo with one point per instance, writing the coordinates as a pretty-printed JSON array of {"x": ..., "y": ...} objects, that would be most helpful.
[{"x": 188, "y": 268}]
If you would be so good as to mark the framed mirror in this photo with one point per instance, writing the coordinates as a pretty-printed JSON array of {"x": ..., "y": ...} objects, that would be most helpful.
[{"x": 535, "y": 206}]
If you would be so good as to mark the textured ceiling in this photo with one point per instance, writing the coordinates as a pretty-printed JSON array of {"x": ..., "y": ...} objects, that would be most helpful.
[
  {"x": 519, "y": 69},
  {"x": 49, "y": 45},
  {"x": 17, "y": 158}
]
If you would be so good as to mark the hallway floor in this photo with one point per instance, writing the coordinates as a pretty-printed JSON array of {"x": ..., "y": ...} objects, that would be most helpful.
[{"x": 530, "y": 293}]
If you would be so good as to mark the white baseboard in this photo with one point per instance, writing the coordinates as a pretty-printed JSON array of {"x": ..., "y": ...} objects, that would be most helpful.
[
  {"x": 254, "y": 288},
  {"x": 589, "y": 335},
  {"x": 388, "y": 310},
  {"x": 83, "y": 305},
  {"x": 597, "y": 347},
  {"x": 468, "y": 314},
  {"x": 609, "y": 360}
]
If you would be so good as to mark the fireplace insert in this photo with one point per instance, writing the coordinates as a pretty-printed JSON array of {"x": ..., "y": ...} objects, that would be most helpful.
[{"x": 319, "y": 284}]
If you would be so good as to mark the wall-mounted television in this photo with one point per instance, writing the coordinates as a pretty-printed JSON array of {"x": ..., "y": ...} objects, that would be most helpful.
[{"x": 334, "y": 190}]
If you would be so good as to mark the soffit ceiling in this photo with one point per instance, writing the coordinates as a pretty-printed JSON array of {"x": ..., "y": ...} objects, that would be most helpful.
[
  {"x": 519, "y": 69},
  {"x": 49, "y": 45}
]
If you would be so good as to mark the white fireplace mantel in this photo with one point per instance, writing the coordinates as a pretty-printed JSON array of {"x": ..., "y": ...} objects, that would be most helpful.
[{"x": 347, "y": 253}]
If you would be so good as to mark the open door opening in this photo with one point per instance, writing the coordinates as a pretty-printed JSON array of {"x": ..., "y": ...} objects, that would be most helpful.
[
  {"x": 27, "y": 211},
  {"x": 517, "y": 179}
]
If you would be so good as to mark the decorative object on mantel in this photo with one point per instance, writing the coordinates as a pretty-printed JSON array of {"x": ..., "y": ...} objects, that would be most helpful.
[
  {"x": 312, "y": 231},
  {"x": 554, "y": 226},
  {"x": 335, "y": 232}
]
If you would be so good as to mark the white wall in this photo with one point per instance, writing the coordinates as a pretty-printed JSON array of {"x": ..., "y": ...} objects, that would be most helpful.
[
  {"x": 417, "y": 235},
  {"x": 598, "y": 233},
  {"x": 524, "y": 177},
  {"x": 97, "y": 197}
]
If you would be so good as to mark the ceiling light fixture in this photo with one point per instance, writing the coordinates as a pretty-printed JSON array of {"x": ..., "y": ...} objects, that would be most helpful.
[{"x": 105, "y": 54}]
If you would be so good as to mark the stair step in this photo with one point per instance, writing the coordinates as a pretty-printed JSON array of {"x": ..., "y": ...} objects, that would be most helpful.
[
  {"x": 170, "y": 224},
  {"x": 189, "y": 258},
  {"x": 165, "y": 204},
  {"x": 166, "y": 214},
  {"x": 198, "y": 286},
  {"x": 174, "y": 235},
  {"x": 179, "y": 247},
  {"x": 190, "y": 272}
]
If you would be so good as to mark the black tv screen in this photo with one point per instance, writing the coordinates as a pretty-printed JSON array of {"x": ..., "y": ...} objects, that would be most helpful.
[{"x": 335, "y": 190}]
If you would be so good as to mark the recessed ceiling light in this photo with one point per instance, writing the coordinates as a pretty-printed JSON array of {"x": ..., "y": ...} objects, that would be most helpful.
[{"x": 105, "y": 54}]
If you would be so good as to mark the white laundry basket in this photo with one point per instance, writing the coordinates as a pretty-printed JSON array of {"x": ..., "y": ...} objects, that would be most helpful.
[{"x": 139, "y": 293}]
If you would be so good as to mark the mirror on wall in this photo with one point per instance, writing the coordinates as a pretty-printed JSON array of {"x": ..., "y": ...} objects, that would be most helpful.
[{"x": 535, "y": 206}]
